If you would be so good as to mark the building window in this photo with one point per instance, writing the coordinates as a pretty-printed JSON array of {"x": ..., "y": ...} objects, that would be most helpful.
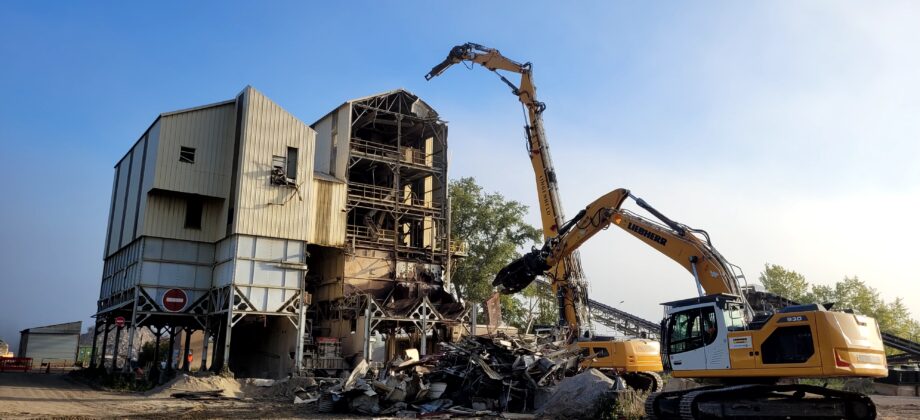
[
  {"x": 278, "y": 166},
  {"x": 284, "y": 168},
  {"x": 291, "y": 169},
  {"x": 193, "y": 208},
  {"x": 187, "y": 154}
]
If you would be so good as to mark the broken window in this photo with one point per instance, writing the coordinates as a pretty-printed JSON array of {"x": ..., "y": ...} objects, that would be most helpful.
[
  {"x": 284, "y": 168},
  {"x": 193, "y": 208},
  {"x": 186, "y": 154},
  {"x": 278, "y": 167}
]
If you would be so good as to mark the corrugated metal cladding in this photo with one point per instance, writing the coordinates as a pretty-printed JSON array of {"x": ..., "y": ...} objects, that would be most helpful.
[
  {"x": 264, "y": 269},
  {"x": 166, "y": 218},
  {"x": 328, "y": 217},
  {"x": 153, "y": 164},
  {"x": 53, "y": 343},
  {"x": 332, "y": 142},
  {"x": 169, "y": 263},
  {"x": 121, "y": 271},
  {"x": 264, "y": 209},
  {"x": 210, "y": 132}
]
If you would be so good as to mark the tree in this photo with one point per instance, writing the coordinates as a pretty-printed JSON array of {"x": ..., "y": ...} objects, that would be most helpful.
[
  {"x": 494, "y": 231},
  {"x": 786, "y": 283},
  {"x": 849, "y": 293}
]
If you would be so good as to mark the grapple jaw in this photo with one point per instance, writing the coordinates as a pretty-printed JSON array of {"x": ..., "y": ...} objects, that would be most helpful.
[{"x": 520, "y": 273}]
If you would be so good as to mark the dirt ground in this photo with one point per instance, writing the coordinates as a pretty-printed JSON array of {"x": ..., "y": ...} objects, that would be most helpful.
[{"x": 35, "y": 395}]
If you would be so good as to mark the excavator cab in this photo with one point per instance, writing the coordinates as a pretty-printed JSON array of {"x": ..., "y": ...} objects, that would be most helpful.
[{"x": 696, "y": 331}]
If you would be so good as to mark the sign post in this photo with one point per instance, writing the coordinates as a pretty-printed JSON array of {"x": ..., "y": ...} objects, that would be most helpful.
[{"x": 119, "y": 321}]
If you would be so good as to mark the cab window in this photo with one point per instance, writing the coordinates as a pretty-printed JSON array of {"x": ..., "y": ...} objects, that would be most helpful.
[
  {"x": 691, "y": 329},
  {"x": 734, "y": 318}
]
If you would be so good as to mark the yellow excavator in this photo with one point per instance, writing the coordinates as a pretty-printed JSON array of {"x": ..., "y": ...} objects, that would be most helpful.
[
  {"x": 636, "y": 360},
  {"x": 748, "y": 356}
]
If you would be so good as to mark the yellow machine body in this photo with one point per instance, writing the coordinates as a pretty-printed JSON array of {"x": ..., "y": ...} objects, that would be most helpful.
[{"x": 632, "y": 355}]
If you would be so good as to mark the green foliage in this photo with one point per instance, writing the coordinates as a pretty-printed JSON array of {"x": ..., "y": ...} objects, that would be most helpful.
[
  {"x": 849, "y": 293},
  {"x": 493, "y": 229},
  {"x": 147, "y": 350},
  {"x": 528, "y": 308},
  {"x": 786, "y": 283}
]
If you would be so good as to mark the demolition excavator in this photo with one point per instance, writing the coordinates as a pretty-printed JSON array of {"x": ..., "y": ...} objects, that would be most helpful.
[
  {"x": 748, "y": 358},
  {"x": 636, "y": 360}
]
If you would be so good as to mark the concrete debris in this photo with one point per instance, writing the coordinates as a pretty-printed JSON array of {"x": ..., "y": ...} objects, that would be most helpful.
[
  {"x": 582, "y": 396},
  {"x": 478, "y": 376}
]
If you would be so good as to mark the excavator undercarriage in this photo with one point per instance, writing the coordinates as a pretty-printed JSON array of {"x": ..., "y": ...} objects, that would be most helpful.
[{"x": 759, "y": 401}]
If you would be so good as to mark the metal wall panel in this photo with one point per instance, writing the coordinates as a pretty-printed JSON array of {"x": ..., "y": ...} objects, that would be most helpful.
[
  {"x": 133, "y": 189},
  {"x": 265, "y": 270},
  {"x": 328, "y": 215},
  {"x": 169, "y": 263},
  {"x": 210, "y": 131},
  {"x": 264, "y": 209},
  {"x": 51, "y": 346},
  {"x": 321, "y": 156},
  {"x": 165, "y": 217},
  {"x": 150, "y": 164},
  {"x": 343, "y": 142},
  {"x": 118, "y": 205}
]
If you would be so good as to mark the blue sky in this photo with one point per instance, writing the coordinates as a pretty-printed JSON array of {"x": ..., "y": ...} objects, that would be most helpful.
[{"x": 788, "y": 130}]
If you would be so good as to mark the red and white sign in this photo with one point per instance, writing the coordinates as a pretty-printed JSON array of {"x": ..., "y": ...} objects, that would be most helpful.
[
  {"x": 174, "y": 300},
  {"x": 119, "y": 321}
]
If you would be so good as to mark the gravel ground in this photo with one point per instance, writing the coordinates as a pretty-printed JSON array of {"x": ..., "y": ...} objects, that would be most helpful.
[{"x": 35, "y": 395}]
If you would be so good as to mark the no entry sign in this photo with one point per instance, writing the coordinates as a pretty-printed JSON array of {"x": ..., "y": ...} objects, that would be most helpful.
[
  {"x": 119, "y": 321},
  {"x": 174, "y": 300}
]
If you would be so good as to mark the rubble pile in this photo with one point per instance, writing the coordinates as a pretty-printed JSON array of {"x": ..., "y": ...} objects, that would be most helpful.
[{"x": 474, "y": 377}]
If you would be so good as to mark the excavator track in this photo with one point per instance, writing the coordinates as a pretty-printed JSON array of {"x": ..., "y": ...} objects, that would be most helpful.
[
  {"x": 758, "y": 401},
  {"x": 644, "y": 381}
]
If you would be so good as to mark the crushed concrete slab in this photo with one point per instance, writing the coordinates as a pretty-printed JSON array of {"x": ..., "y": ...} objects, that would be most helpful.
[{"x": 582, "y": 396}]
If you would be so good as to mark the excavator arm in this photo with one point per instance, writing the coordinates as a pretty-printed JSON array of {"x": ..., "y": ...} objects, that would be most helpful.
[
  {"x": 566, "y": 273},
  {"x": 691, "y": 248}
]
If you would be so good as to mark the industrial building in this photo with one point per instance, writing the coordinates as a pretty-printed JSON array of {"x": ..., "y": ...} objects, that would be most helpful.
[
  {"x": 287, "y": 246},
  {"x": 51, "y": 344}
]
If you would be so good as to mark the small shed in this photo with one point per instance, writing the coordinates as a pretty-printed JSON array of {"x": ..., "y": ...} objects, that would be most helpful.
[{"x": 56, "y": 344}]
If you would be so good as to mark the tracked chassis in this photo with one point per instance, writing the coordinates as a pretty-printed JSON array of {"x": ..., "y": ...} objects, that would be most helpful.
[{"x": 758, "y": 401}]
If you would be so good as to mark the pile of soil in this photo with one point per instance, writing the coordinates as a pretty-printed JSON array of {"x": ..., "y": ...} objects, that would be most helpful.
[{"x": 184, "y": 383}]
